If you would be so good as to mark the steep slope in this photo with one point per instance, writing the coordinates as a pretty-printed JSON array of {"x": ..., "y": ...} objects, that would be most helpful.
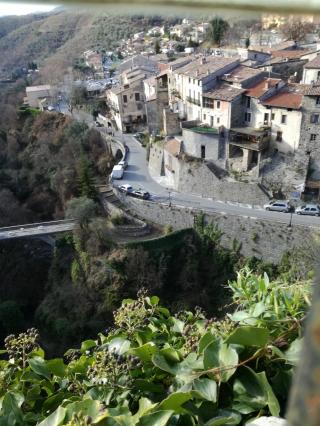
[{"x": 54, "y": 40}]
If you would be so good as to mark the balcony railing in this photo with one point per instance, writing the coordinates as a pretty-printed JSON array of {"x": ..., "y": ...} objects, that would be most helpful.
[{"x": 193, "y": 101}]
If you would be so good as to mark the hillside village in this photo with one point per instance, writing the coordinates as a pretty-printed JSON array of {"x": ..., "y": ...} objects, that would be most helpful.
[{"x": 233, "y": 123}]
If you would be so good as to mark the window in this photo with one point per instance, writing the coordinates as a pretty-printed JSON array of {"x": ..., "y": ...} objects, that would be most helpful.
[
  {"x": 125, "y": 99},
  {"x": 204, "y": 116},
  {"x": 139, "y": 106},
  {"x": 207, "y": 103},
  {"x": 279, "y": 137},
  {"x": 194, "y": 81},
  {"x": 218, "y": 104},
  {"x": 272, "y": 116},
  {"x": 189, "y": 80},
  {"x": 247, "y": 117},
  {"x": 283, "y": 119},
  {"x": 137, "y": 96},
  {"x": 314, "y": 119},
  {"x": 211, "y": 121},
  {"x": 199, "y": 82},
  {"x": 218, "y": 120},
  {"x": 318, "y": 75},
  {"x": 189, "y": 93},
  {"x": 313, "y": 137},
  {"x": 318, "y": 100},
  {"x": 203, "y": 151},
  {"x": 248, "y": 102},
  {"x": 266, "y": 118}
]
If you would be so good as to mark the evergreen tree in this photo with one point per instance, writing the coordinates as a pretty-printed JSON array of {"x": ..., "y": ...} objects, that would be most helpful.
[
  {"x": 247, "y": 42},
  {"x": 157, "y": 47},
  {"x": 86, "y": 180},
  {"x": 217, "y": 30}
]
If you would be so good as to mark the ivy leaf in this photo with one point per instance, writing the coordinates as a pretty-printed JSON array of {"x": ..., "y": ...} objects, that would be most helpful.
[
  {"x": 158, "y": 418},
  {"x": 145, "y": 352},
  {"x": 56, "y": 367},
  {"x": 39, "y": 366},
  {"x": 205, "y": 389},
  {"x": 205, "y": 340},
  {"x": 55, "y": 419},
  {"x": 249, "y": 393},
  {"x": 224, "y": 418},
  {"x": 88, "y": 344},
  {"x": 273, "y": 403},
  {"x": 220, "y": 355},
  {"x": 174, "y": 401},
  {"x": 178, "y": 325},
  {"x": 249, "y": 336},
  {"x": 88, "y": 407},
  {"x": 119, "y": 345}
]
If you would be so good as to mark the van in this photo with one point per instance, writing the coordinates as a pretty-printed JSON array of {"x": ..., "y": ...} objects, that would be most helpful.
[{"x": 117, "y": 172}]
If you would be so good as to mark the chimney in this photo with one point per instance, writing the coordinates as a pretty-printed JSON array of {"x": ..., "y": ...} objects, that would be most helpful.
[{"x": 266, "y": 86}]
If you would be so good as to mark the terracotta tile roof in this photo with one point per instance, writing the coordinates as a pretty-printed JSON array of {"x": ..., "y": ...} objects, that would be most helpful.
[
  {"x": 315, "y": 63},
  {"x": 289, "y": 97},
  {"x": 224, "y": 92},
  {"x": 241, "y": 73},
  {"x": 200, "y": 68},
  {"x": 173, "y": 146},
  {"x": 313, "y": 89},
  {"x": 290, "y": 54},
  {"x": 285, "y": 99},
  {"x": 262, "y": 87}
]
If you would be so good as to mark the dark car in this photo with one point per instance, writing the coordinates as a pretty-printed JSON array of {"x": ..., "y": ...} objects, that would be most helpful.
[{"x": 140, "y": 193}]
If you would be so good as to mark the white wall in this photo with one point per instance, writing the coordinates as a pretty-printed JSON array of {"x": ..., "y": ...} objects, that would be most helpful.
[
  {"x": 310, "y": 75},
  {"x": 290, "y": 130}
]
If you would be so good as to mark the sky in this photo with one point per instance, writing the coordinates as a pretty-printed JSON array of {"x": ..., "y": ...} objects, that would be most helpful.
[{"x": 13, "y": 8}]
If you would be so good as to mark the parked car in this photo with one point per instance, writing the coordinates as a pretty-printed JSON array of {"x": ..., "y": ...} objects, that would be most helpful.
[
  {"x": 117, "y": 172},
  {"x": 309, "y": 209},
  {"x": 123, "y": 164},
  {"x": 279, "y": 206},
  {"x": 140, "y": 193},
  {"x": 126, "y": 189},
  {"x": 138, "y": 135}
]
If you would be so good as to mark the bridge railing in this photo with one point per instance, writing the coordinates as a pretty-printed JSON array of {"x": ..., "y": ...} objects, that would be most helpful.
[{"x": 33, "y": 225}]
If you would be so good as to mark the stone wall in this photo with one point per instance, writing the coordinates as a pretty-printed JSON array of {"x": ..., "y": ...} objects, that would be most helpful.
[
  {"x": 258, "y": 237},
  {"x": 156, "y": 159},
  {"x": 195, "y": 177},
  {"x": 307, "y": 146},
  {"x": 171, "y": 123}
]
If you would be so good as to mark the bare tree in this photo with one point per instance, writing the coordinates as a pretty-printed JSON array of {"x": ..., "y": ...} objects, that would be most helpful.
[{"x": 296, "y": 29}]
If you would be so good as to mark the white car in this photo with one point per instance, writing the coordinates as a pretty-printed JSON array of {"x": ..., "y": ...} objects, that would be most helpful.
[
  {"x": 125, "y": 188},
  {"x": 278, "y": 206},
  {"x": 123, "y": 163},
  {"x": 309, "y": 209}
]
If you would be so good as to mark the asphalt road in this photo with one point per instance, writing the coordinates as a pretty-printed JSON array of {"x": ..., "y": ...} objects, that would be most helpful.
[
  {"x": 137, "y": 175},
  {"x": 34, "y": 230}
]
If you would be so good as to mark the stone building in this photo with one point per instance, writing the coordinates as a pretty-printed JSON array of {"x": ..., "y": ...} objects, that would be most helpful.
[
  {"x": 156, "y": 103},
  {"x": 35, "y": 94},
  {"x": 311, "y": 72}
]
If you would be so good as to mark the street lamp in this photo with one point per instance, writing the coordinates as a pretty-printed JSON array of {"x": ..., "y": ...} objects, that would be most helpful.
[{"x": 169, "y": 196}]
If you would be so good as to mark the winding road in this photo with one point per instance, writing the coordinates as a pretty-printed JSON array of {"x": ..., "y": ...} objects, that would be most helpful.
[{"x": 137, "y": 175}]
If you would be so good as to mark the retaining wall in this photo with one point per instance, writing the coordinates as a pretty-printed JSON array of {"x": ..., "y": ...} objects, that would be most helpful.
[{"x": 258, "y": 237}]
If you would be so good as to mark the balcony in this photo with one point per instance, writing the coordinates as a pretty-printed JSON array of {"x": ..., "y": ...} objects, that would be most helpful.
[
  {"x": 175, "y": 94},
  {"x": 250, "y": 138},
  {"x": 193, "y": 101}
]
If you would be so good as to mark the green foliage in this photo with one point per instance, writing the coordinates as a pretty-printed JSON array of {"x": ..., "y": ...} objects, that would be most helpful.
[
  {"x": 155, "y": 368},
  {"x": 157, "y": 47},
  {"x": 217, "y": 30},
  {"x": 81, "y": 209},
  {"x": 86, "y": 180}
]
